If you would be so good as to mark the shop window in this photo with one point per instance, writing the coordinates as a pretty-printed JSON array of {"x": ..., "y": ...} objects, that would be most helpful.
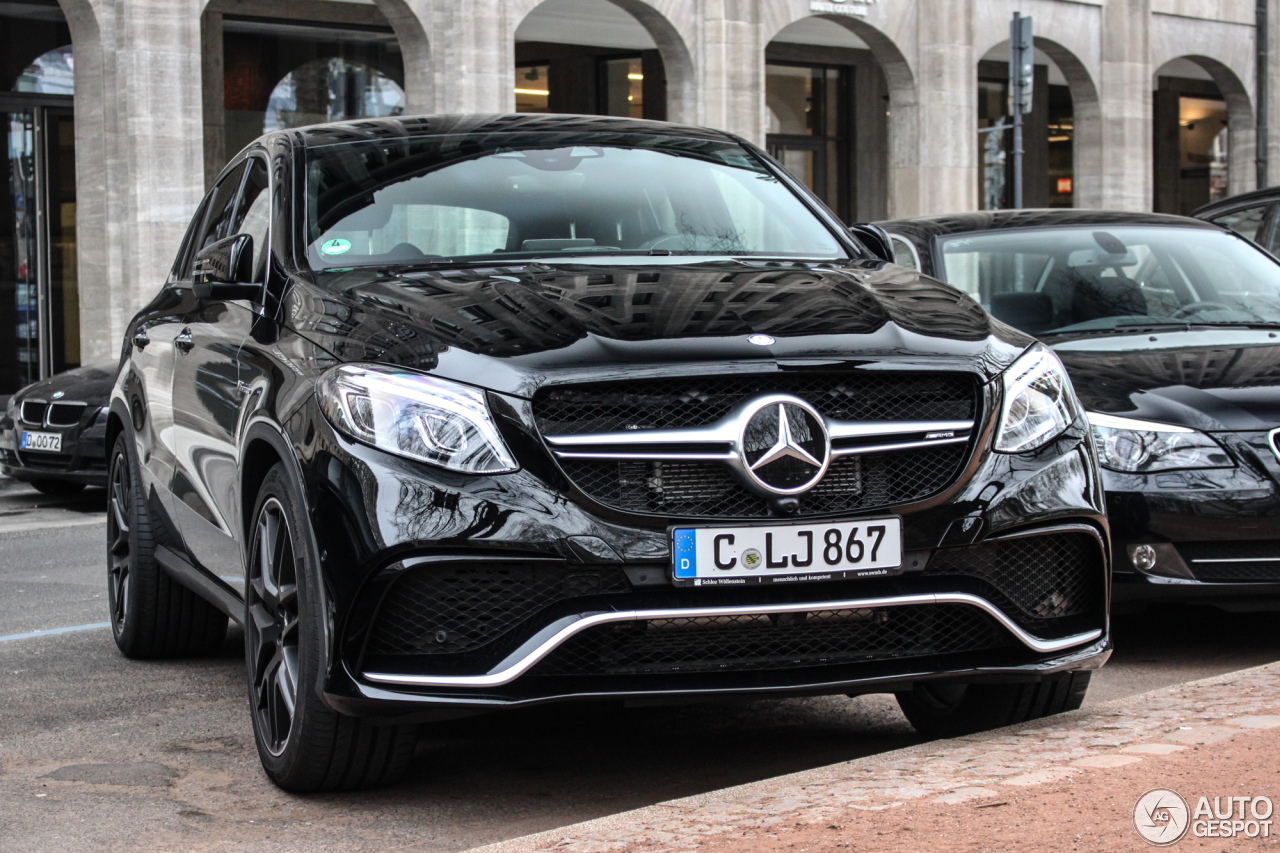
[
  {"x": 331, "y": 90},
  {"x": 533, "y": 88},
  {"x": 623, "y": 87},
  {"x": 53, "y": 73},
  {"x": 287, "y": 74},
  {"x": 808, "y": 119}
]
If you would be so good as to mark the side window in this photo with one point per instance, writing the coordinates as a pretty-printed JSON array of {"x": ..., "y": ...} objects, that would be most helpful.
[
  {"x": 1273, "y": 239},
  {"x": 253, "y": 213},
  {"x": 904, "y": 254},
  {"x": 220, "y": 208},
  {"x": 182, "y": 264},
  {"x": 1246, "y": 223}
]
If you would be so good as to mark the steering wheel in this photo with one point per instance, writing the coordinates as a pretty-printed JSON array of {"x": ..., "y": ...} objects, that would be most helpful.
[{"x": 1196, "y": 307}]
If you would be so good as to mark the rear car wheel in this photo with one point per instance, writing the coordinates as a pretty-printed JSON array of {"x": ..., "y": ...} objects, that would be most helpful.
[
  {"x": 942, "y": 710},
  {"x": 304, "y": 745},
  {"x": 152, "y": 615},
  {"x": 58, "y": 488}
]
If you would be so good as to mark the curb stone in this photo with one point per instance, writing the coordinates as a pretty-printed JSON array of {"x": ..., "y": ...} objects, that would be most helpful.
[{"x": 953, "y": 771}]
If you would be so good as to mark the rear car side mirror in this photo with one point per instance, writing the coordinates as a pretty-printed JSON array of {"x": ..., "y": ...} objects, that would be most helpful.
[
  {"x": 224, "y": 270},
  {"x": 875, "y": 238}
]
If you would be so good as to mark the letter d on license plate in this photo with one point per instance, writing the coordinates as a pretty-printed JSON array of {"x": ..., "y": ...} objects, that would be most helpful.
[{"x": 782, "y": 553}]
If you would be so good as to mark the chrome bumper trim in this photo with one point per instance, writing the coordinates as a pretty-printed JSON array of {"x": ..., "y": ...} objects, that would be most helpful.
[{"x": 524, "y": 658}]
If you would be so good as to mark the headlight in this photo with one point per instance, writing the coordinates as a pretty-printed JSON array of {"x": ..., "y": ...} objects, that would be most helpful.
[
  {"x": 1138, "y": 447},
  {"x": 1039, "y": 403},
  {"x": 417, "y": 416}
]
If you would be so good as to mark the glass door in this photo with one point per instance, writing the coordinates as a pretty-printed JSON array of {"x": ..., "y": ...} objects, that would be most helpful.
[{"x": 39, "y": 297}]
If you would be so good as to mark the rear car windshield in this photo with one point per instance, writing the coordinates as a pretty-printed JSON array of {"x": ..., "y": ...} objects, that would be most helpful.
[
  {"x": 507, "y": 197},
  {"x": 1096, "y": 279}
]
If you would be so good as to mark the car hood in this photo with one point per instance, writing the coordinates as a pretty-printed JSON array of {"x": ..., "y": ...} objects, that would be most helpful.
[
  {"x": 512, "y": 329},
  {"x": 1214, "y": 380},
  {"x": 90, "y": 384}
]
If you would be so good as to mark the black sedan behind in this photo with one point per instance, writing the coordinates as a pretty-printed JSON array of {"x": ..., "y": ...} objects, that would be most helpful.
[
  {"x": 53, "y": 431},
  {"x": 1168, "y": 327}
]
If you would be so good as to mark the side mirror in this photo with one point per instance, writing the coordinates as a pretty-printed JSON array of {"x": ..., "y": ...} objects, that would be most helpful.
[
  {"x": 224, "y": 270},
  {"x": 875, "y": 238}
]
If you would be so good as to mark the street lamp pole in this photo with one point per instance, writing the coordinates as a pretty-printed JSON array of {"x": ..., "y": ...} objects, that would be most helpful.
[{"x": 1021, "y": 84}]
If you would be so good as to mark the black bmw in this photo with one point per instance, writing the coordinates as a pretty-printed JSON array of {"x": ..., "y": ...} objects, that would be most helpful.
[
  {"x": 53, "y": 431},
  {"x": 458, "y": 414},
  {"x": 1170, "y": 329}
]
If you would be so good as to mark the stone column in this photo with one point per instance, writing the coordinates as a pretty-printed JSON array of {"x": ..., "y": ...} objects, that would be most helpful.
[
  {"x": 1273, "y": 93},
  {"x": 947, "y": 113},
  {"x": 1126, "y": 94},
  {"x": 730, "y": 69}
]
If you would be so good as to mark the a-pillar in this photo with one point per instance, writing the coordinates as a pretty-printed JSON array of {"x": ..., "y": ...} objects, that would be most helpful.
[{"x": 1125, "y": 89}]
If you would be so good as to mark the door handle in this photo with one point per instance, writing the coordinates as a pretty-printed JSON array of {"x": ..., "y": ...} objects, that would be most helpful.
[
  {"x": 183, "y": 341},
  {"x": 140, "y": 339}
]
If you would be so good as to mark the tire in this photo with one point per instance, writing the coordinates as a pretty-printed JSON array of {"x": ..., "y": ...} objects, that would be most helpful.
[
  {"x": 304, "y": 745},
  {"x": 58, "y": 488},
  {"x": 152, "y": 615},
  {"x": 942, "y": 710}
]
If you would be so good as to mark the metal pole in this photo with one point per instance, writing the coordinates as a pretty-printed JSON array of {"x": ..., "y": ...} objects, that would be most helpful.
[
  {"x": 1015, "y": 76},
  {"x": 1260, "y": 33}
]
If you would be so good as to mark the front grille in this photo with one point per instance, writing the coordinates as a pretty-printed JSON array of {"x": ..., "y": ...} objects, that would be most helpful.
[
  {"x": 460, "y": 607},
  {"x": 780, "y": 641},
  {"x": 670, "y": 403},
  {"x": 44, "y": 459},
  {"x": 65, "y": 414},
  {"x": 707, "y": 489},
  {"x": 33, "y": 412},
  {"x": 1242, "y": 560},
  {"x": 693, "y": 489},
  {"x": 1034, "y": 578}
]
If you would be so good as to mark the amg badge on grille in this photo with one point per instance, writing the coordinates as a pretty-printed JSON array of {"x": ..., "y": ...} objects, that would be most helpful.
[{"x": 785, "y": 446}]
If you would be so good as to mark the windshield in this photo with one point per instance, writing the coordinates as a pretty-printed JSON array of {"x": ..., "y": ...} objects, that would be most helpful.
[
  {"x": 504, "y": 197},
  {"x": 1096, "y": 279}
]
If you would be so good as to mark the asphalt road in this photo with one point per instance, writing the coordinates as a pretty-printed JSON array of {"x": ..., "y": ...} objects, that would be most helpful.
[{"x": 101, "y": 753}]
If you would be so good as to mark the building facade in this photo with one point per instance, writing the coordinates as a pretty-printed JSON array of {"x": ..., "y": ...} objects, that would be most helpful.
[{"x": 121, "y": 112}]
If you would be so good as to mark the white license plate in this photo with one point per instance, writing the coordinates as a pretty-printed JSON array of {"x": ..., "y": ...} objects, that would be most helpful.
[
  {"x": 780, "y": 553},
  {"x": 50, "y": 441}
]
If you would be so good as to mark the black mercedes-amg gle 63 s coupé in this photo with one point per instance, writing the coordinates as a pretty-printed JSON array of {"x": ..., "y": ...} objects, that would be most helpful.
[{"x": 457, "y": 414}]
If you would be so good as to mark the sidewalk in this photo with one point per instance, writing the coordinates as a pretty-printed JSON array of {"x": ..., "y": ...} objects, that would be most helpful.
[{"x": 1065, "y": 783}]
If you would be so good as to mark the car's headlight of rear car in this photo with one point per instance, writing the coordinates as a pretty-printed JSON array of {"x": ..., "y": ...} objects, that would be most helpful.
[
  {"x": 1140, "y": 447},
  {"x": 1039, "y": 403},
  {"x": 416, "y": 416}
]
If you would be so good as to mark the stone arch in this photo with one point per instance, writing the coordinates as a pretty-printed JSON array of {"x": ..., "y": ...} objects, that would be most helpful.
[
  {"x": 906, "y": 181},
  {"x": 658, "y": 17},
  {"x": 1241, "y": 119},
  {"x": 1086, "y": 103},
  {"x": 415, "y": 48}
]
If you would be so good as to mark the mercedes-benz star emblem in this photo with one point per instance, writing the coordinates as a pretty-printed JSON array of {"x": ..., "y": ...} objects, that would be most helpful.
[{"x": 785, "y": 446}]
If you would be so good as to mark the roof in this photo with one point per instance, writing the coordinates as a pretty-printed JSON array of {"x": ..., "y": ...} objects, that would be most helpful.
[
  {"x": 1268, "y": 194},
  {"x": 402, "y": 127},
  {"x": 991, "y": 220}
]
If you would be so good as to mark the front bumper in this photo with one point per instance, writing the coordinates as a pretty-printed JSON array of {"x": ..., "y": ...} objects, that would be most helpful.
[
  {"x": 452, "y": 595},
  {"x": 1215, "y": 533},
  {"x": 82, "y": 460}
]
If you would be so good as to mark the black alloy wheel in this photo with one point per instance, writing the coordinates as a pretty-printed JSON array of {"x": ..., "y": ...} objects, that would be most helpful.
[
  {"x": 273, "y": 625},
  {"x": 119, "y": 546},
  {"x": 152, "y": 615},
  {"x": 303, "y": 744}
]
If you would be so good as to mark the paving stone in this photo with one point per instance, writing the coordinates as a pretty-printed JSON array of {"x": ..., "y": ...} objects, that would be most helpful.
[
  {"x": 1267, "y": 722},
  {"x": 1154, "y": 748},
  {"x": 963, "y": 795},
  {"x": 1201, "y": 734},
  {"x": 1037, "y": 777},
  {"x": 1112, "y": 760}
]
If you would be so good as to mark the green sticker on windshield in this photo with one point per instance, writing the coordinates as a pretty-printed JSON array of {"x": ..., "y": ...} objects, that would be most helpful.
[{"x": 336, "y": 247}]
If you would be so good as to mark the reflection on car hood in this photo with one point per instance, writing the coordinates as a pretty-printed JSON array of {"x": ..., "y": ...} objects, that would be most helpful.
[
  {"x": 1226, "y": 379},
  {"x": 90, "y": 384},
  {"x": 511, "y": 329}
]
